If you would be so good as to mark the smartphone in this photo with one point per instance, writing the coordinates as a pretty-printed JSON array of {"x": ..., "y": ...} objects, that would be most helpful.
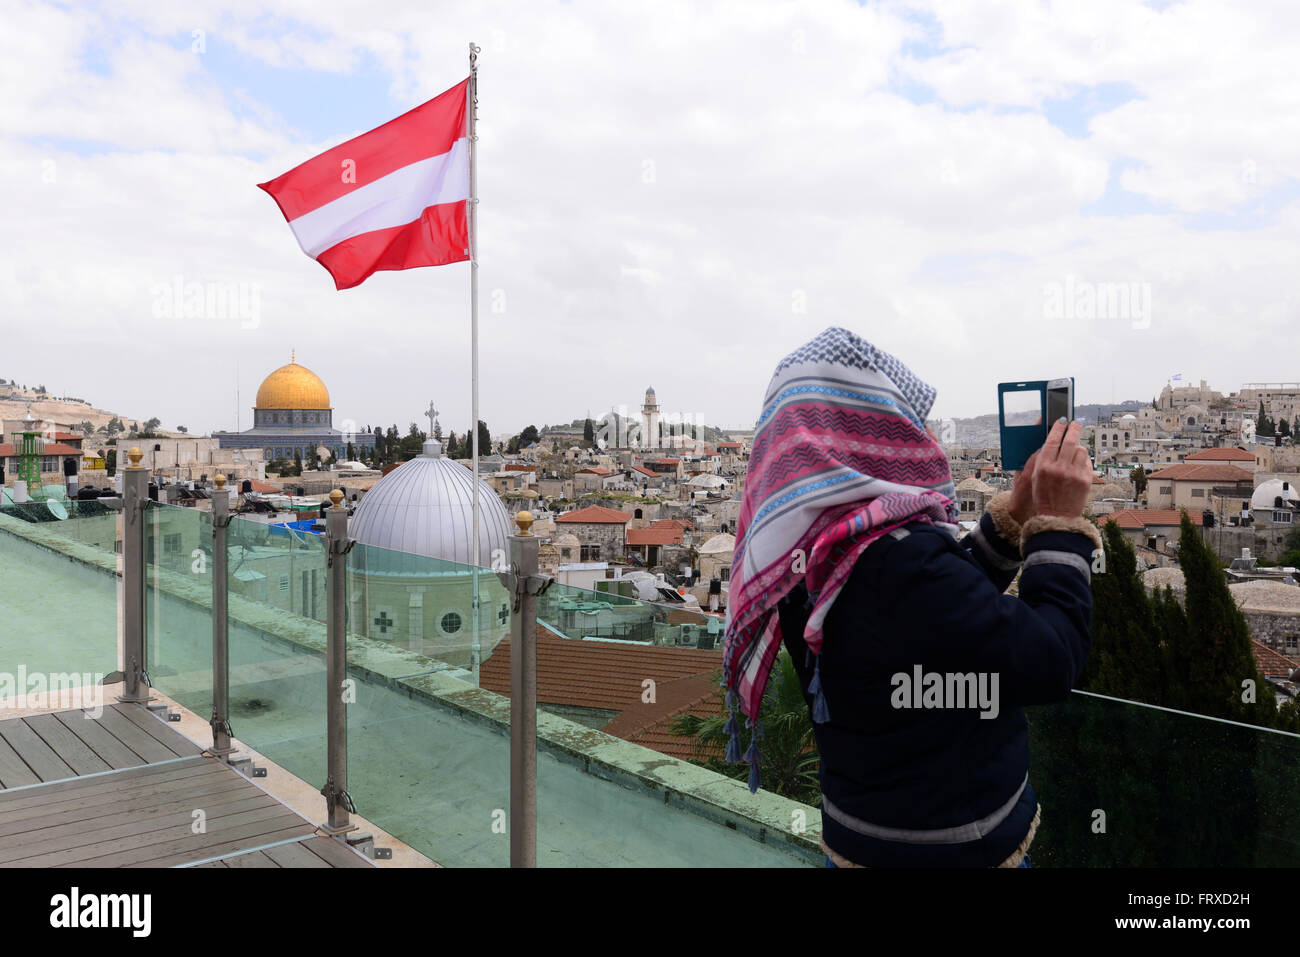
[
  {"x": 1026, "y": 412},
  {"x": 1060, "y": 402}
]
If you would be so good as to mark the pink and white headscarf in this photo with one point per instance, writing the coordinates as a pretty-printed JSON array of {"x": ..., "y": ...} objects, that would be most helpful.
[{"x": 841, "y": 456}]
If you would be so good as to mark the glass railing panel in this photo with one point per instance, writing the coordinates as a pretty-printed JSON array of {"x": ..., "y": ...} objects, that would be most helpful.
[
  {"x": 647, "y": 673},
  {"x": 428, "y": 754},
  {"x": 277, "y": 612},
  {"x": 178, "y": 604},
  {"x": 59, "y": 620},
  {"x": 1123, "y": 784}
]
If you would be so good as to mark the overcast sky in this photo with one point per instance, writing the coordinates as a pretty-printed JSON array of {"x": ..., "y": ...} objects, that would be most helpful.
[{"x": 673, "y": 194}]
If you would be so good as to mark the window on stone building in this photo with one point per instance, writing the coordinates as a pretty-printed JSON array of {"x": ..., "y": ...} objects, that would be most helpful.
[
  {"x": 450, "y": 622},
  {"x": 1166, "y": 490},
  {"x": 1198, "y": 493},
  {"x": 1282, "y": 518},
  {"x": 590, "y": 553}
]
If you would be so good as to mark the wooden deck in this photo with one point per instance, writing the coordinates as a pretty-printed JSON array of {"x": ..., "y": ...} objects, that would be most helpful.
[{"x": 122, "y": 790}]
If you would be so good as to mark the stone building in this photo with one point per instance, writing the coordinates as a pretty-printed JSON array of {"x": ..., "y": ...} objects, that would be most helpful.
[{"x": 601, "y": 532}]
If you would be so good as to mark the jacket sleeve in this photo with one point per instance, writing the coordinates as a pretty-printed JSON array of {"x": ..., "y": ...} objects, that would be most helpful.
[
  {"x": 956, "y": 619},
  {"x": 994, "y": 543}
]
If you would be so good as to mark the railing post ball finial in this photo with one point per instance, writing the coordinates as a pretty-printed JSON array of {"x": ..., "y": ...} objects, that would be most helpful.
[
  {"x": 221, "y": 481},
  {"x": 336, "y": 496},
  {"x": 524, "y": 519},
  {"x": 135, "y": 455}
]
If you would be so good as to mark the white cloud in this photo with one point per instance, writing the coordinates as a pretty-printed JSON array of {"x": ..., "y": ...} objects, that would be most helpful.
[{"x": 671, "y": 194}]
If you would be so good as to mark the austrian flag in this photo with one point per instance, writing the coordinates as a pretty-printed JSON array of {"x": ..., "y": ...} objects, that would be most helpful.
[{"x": 393, "y": 198}]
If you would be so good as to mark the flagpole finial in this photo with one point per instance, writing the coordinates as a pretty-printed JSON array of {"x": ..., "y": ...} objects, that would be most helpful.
[{"x": 474, "y": 51}]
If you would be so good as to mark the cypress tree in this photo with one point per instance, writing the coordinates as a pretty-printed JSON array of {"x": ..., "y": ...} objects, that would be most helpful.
[
  {"x": 1123, "y": 660},
  {"x": 1216, "y": 648}
]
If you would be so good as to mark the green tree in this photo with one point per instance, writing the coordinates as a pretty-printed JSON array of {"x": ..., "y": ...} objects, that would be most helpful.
[
  {"x": 1263, "y": 424},
  {"x": 588, "y": 432},
  {"x": 787, "y": 750},
  {"x": 1283, "y": 427},
  {"x": 352, "y": 455},
  {"x": 182, "y": 429},
  {"x": 453, "y": 447},
  {"x": 1216, "y": 648},
  {"x": 297, "y": 462},
  {"x": 1124, "y": 657},
  {"x": 484, "y": 441},
  {"x": 1139, "y": 479}
]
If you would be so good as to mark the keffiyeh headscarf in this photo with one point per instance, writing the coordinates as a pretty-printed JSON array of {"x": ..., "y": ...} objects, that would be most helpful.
[{"x": 840, "y": 457}]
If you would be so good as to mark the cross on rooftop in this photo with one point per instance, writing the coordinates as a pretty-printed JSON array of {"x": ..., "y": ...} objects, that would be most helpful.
[{"x": 432, "y": 415}]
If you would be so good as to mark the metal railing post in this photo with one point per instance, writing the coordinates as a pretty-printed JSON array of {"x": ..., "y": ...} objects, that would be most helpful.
[
  {"x": 221, "y": 731},
  {"x": 135, "y": 497},
  {"x": 527, "y": 585},
  {"x": 337, "y": 801}
]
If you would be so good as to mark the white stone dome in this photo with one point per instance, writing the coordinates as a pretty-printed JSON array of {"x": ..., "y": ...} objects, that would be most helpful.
[
  {"x": 1267, "y": 492},
  {"x": 425, "y": 507},
  {"x": 719, "y": 543}
]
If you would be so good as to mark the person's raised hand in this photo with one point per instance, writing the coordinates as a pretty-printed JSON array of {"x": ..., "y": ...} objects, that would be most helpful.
[
  {"x": 1022, "y": 492},
  {"x": 1063, "y": 473}
]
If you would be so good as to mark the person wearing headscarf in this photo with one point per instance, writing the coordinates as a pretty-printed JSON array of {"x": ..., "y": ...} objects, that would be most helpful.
[{"x": 915, "y": 664}]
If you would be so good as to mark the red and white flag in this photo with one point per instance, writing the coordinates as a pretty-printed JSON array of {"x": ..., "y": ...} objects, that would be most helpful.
[{"x": 393, "y": 198}]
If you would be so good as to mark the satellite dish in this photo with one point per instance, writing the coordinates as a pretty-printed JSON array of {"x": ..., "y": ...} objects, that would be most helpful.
[{"x": 57, "y": 508}]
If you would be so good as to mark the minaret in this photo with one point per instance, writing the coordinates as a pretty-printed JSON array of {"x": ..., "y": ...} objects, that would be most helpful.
[{"x": 650, "y": 420}]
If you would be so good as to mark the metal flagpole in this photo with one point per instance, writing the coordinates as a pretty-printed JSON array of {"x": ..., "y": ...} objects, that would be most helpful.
[{"x": 472, "y": 111}]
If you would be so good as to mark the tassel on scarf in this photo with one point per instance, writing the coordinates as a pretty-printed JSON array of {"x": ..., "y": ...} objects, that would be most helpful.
[
  {"x": 820, "y": 712},
  {"x": 751, "y": 756},
  {"x": 733, "y": 731}
]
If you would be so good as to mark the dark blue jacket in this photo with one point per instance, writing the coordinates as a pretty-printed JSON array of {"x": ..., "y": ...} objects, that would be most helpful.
[{"x": 909, "y": 786}]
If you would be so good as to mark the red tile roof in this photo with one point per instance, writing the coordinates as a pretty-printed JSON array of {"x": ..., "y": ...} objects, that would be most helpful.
[
  {"x": 1142, "y": 517},
  {"x": 596, "y": 513},
  {"x": 1203, "y": 473},
  {"x": 516, "y": 467},
  {"x": 1272, "y": 664},
  {"x": 596, "y": 469},
  {"x": 729, "y": 445},
  {"x": 1221, "y": 455},
  {"x": 650, "y": 724},
  {"x": 263, "y": 487},
  {"x": 655, "y": 535},
  {"x": 682, "y": 523},
  {"x": 645, "y": 471},
  {"x": 598, "y": 674}
]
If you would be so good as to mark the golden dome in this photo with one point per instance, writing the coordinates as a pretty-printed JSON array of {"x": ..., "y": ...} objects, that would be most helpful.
[{"x": 293, "y": 387}]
